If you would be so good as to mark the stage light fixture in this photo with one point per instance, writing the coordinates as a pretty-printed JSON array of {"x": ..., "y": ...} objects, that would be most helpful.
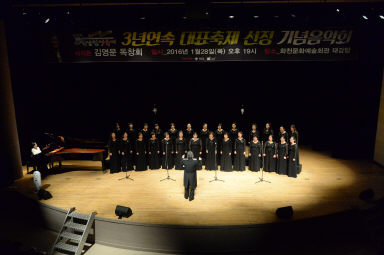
[
  {"x": 67, "y": 12},
  {"x": 381, "y": 16},
  {"x": 206, "y": 13},
  {"x": 365, "y": 17},
  {"x": 184, "y": 17},
  {"x": 337, "y": 10},
  {"x": 142, "y": 18},
  {"x": 242, "y": 110},
  {"x": 293, "y": 15},
  {"x": 276, "y": 16},
  {"x": 46, "y": 20},
  {"x": 231, "y": 16},
  {"x": 256, "y": 16},
  {"x": 154, "y": 110}
]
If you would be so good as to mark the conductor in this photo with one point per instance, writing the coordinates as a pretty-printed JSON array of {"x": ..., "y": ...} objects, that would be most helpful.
[{"x": 190, "y": 180}]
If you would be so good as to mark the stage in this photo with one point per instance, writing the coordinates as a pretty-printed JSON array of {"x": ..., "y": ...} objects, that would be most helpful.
[{"x": 325, "y": 186}]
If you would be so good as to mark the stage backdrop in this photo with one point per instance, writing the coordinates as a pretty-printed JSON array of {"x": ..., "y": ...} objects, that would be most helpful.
[{"x": 205, "y": 45}]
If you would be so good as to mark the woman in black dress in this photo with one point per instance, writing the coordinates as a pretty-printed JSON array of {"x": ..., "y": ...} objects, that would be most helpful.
[
  {"x": 211, "y": 150},
  {"x": 188, "y": 133},
  {"x": 239, "y": 151},
  {"x": 180, "y": 150},
  {"x": 233, "y": 133},
  {"x": 173, "y": 133},
  {"x": 282, "y": 155},
  {"x": 140, "y": 149},
  {"x": 145, "y": 132},
  {"x": 204, "y": 136},
  {"x": 114, "y": 154},
  {"x": 295, "y": 135},
  {"x": 154, "y": 152},
  {"x": 167, "y": 148},
  {"x": 219, "y": 135},
  {"x": 284, "y": 133},
  {"x": 195, "y": 146},
  {"x": 158, "y": 132},
  {"x": 292, "y": 159},
  {"x": 131, "y": 135},
  {"x": 118, "y": 132},
  {"x": 267, "y": 131},
  {"x": 254, "y": 132},
  {"x": 255, "y": 152},
  {"x": 226, "y": 154},
  {"x": 126, "y": 153},
  {"x": 269, "y": 155}
]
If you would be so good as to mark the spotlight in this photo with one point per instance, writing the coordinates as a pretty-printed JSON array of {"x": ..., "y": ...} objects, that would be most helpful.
[
  {"x": 256, "y": 16},
  {"x": 293, "y": 15},
  {"x": 24, "y": 13},
  {"x": 276, "y": 16},
  {"x": 46, "y": 21},
  {"x": 206, "y": 13},
  {"x": 381, "y": 16},
  {"x": 231, "y": 16},
  {"x": 67, "y": 13},
  {"x": 337, "y": 10},
  {"x": 184, "y": 17},
  {"x": 242, "y": 110},
  {"x": 142, "y": 18},
  {"x": 365, "y": 17}
]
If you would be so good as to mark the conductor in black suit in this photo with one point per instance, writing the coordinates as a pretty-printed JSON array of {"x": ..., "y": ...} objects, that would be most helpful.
[{"x": 190, "y": 179}]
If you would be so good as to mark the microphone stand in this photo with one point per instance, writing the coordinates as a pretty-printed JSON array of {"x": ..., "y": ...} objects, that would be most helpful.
[
  {"x": 166, "y": 163},
  {"x": 216, "y": 179},
  {"x": 261, "y": 179},
  {"x": 127, "y": 176}
]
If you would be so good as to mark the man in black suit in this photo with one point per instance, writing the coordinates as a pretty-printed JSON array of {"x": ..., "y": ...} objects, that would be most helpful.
[{"x": 190, "y": 179}]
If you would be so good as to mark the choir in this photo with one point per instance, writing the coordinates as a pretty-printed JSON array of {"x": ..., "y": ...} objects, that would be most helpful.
[{"x": 142, "y": 149}]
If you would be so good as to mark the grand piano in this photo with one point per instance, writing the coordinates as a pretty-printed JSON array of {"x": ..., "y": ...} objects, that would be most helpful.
[{"x": 60, "y": 148}]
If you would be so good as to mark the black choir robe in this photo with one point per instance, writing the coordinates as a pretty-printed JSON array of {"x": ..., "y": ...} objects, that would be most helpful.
[
  {"x": 146, "y": 135},
  {"x": 140, "y": 150},
  {"x": 269, "y": 160},
  {"x": 173, "y": 134},
  {"x": 180, "y": 151},
  {"x": 266, "y": 134},
  {"x": 211, "y": 160},
  {"x": 256, "y": 156},
  {"x": 195, "y": 146},
  {"x": 233, "y": 134},
  {"x": 132, "y": 137},
  {"x": 285, "y": 136},
  {"x": 158, "y": 133},
  {"x": 188, "y": 134},
  {"x": 204, "y": 136},
  {"x": 296, "y": 136},
  {"x": 126, "y": 155},
  {"x": 167, "y": 148},
  {"x": 292, "y": 164},
  {"x": 239, "y": 148},
  {"x": 114, "y": 159},
  {"x": 154, "y": 153},
  {"x": 226, "y": 156},
  {"x": 219, "y": 135},
  {"x": 252, "y": 134},
  {"x": 282, "y": 164}
]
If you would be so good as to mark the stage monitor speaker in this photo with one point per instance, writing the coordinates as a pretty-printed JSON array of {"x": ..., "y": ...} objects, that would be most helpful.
[
  {"x": 43, "y": 194},
  {"x": 122, "y": 211},
  {"x": 284, "y": 212},
  {"x": 367, "y": 195}
]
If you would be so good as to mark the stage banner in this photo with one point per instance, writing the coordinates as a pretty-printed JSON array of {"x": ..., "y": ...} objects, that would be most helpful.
[{"x": 203, "y": 46}]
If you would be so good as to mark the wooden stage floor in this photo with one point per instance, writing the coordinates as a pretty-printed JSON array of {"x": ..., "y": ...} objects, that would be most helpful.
[{"x": 325, "y": 186}]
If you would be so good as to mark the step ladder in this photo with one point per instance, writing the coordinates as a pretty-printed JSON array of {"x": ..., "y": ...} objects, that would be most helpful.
[{"x": 74, "y": 233}]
